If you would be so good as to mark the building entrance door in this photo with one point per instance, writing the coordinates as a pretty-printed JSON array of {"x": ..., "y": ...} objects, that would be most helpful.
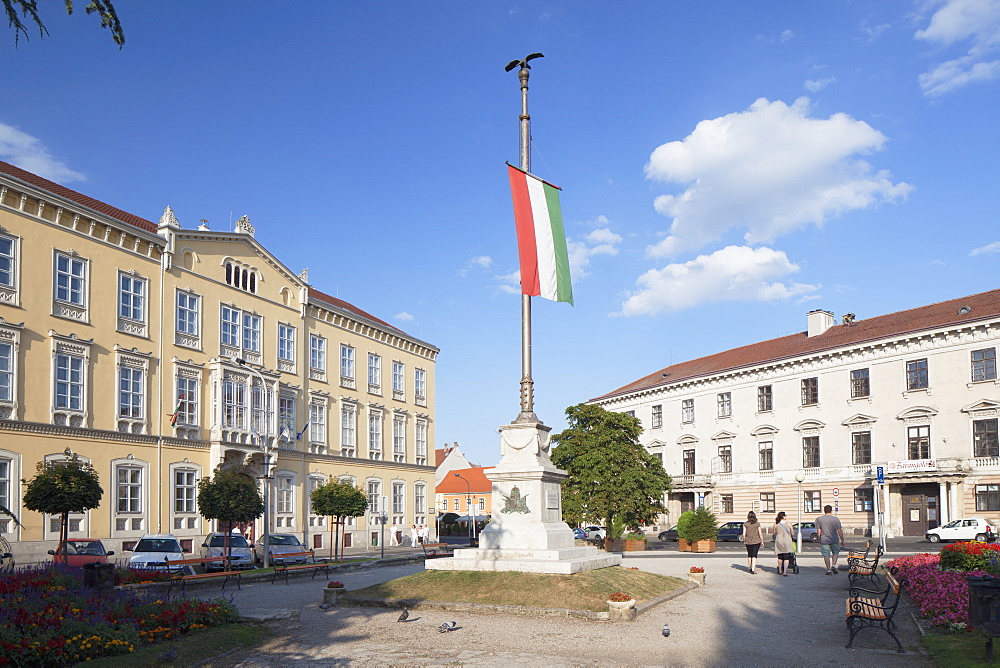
[{"x": 920, "y": 508}]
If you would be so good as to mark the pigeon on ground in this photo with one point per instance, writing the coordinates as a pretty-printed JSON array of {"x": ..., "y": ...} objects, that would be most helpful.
[
  {"x": 404, "y": 615},
  {"x": 325, "y": 606},
  {"x": 169, "y": 655},
  {"x": 448, "y": 626},
  {"x": 666, "y": 631}
]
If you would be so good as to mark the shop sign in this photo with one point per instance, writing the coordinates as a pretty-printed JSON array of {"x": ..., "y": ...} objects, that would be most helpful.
[{"x": 910, "y": 465}]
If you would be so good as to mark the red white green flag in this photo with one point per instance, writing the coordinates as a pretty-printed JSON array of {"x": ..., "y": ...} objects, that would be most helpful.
[{"x": 541, "y": 239}]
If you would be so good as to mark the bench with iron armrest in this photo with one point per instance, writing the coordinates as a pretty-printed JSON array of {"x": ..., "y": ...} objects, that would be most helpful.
[
  {"x": 858, "y": 568},
  {"x": 432, "y": 550},
  {"x": 286, "y": 568},
  {"x": 864, "y": 612},
  {"x": 854, "y": 554},
  {"x": 184, "y": 579}
]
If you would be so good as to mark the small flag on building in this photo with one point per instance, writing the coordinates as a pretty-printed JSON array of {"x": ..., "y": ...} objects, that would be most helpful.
[
  {"x": 541, "y": 239},
  {"x": 177, "y": 411},
  {"x": 286, "y": 433},
  {"x": 298, "y": 436}
]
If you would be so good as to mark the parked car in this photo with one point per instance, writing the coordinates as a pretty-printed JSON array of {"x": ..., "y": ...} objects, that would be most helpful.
[
  {"x": 240, "y": 554},
  {"x": 809, "y": 532},
  {"x": 281, "y": 543},
  {"x": 579, "y": 533},
  {"x": 669, "y": 535},
  {"x": 153, "y": 550},
  {"x": 731, "y": 531},
  {"x": 595, "y": 532},
  {"x": 970, "y": 528},
  {"x": 80, "y": 551}
]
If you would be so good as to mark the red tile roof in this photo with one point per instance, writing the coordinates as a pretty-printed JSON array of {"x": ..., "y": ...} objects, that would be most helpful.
[
  {"x": 478, "y": 484},
  {"x": 340, "y": 303},
  {"x": 440, "y": 454},
  {"x": 74, "y": 196},
  {"x": 942, "y": 314}
]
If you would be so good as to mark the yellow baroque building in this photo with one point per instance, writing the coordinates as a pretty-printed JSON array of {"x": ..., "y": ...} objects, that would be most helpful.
[{"x": 160, "y": 354}]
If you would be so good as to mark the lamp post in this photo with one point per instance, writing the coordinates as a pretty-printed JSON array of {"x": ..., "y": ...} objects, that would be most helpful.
[
  {"x": 266, "y": 449},
  {"x": 468, "y": 510},
  {"x": 381, "y": 532},
  {"x": 799, "y": 477}
]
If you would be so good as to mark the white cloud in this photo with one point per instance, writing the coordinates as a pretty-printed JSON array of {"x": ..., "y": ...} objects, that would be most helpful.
[
  {"x": 973, "y": 21},
  {"x": 732, "y": 273},
  {"x": 988, "y": 248},
  {"x": 510, "y": 283},
  {"x": 27, "y": 152},
  {"x": 601, "y": 241},
  {"x": 770, "y": 169},
  {"x": 786, "y": 36},
  {"x": 403, "y": 316},
  {"x": 481, "y": 261},
  {"x": 816, "y": 85}
]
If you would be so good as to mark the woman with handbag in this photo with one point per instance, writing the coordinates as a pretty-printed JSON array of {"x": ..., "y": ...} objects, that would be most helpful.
[
  {"x": 753, "y": 538},
  {"x": 783, "y": 545}
]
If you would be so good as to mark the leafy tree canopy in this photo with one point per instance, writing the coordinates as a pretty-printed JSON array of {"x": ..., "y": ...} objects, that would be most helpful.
[
  {"x": 29, "y": 10},
  {"x": 610, "y": 474},
  {"x": 63, "y": 487},
  {"x": 698, "y": 524},
  {"x": 339, "y": 499},
  {"x": 229, "y": 497}
]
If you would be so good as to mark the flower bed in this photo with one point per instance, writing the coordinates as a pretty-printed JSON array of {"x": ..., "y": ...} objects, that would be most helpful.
[{"x": 50, "y": 619}]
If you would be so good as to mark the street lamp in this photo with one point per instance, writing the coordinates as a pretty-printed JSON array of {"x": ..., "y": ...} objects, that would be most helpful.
[
  {"x": 381, "y": 535},
  {"x": 266, "y": 448},
  {"x": 799, "y": 477},
  {"x": 468, "y": 510}
]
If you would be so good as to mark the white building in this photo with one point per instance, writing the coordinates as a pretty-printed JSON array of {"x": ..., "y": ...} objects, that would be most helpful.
[{"x": 914, "y": 393}]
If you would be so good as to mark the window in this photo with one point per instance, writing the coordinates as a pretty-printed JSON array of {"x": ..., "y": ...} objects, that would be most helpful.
[
  {"x": 687, "y": 410},
  {"x": 918, "y": 441},
  {"x": 348, "y": 430},
  {"x": 725, "y": 404},
  {"x": 861, "y": 447},
  {"x": 398, "y": 438},
  {"x": 230, "y": 326},
  {"x": 129, "y": 488},
  {"x": 251, "y": 332},
  {"x": 8, "y": 261},
  {"x": 234, "y": 399},
  {"x": 810, "y": 391},
  {"x": 860, "y": 386},
  {"x": 863, "y": 500},
  {"x": 5, "y": 500},
  {"x": 283, "y": 499},
  {"x": 767, "y": 502},
  {"x": 185, "y": 491},
  {"x": 810, "y": 451},
  {"x": 765, "y": 451},
  {"x": 130, "y": 392},
  {"x": 420, "y": 438},
  {"x": 375, "y": 434},
  {"x": 241, "y": 277},
  {"x": 346, "y": 364},
  {"x": 984, "y": 438},
  {"x": 456, "y": 505},
  {"x": 657, "y": 419},
  {"x": 419, "y": 498},
  {"x": 482, "y": 504},
  {"x": 131, "y": 297},
  {"x": 317, "y": 423},
  {"x": 261, "y": 409},
  {"x": 374, "y": 492},
  {"x": 688, "y": 462},
  {"x": 6, "y": 371},
  {"x": 398, "y": 380},
  {"x": 764, "y": 399},
  {"x": 69, "y": 382},
  {"x": 398, "y": 499},
  {"x": 725, "y": 459},
  {"x": 727, "y": 503},
  {"x": 71, "y": 280},
  {"x": 630, "y": 413},
  {"x": 419, "y": 386},
  {"x": 984, "y": 364},
  {"x": 916, "y": 374},
  {"x": 374, "y": 373},
  {"x": 317, "y": 353},
  {"x": 188, "y": 313},
  {"x": 812, "y": 502},
  {"x": 286, "y": 342},
  {"x": 187, "y": 401},
  {"x": 987, "y": 498}
]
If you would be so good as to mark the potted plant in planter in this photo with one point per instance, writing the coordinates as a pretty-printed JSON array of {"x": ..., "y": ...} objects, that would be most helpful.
[
  {"x": 613, "y": 542},
  {"x": 333, "y": 591},
  {"x": 620, "y": 601},
  {"x": 700, "y": 528},
  {"x": 697, "y": 574},
  {"x": 635, "y": 541}
]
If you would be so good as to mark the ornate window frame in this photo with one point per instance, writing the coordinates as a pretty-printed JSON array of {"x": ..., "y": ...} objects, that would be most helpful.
[
  {"x": 13, "y": 500},
  {"x": 10, "y": 334},
  {"x": 185, "y": 338},
  {"x": 184, "y": 523},
  {"x": 72, "y": 346},
  {"x": 124, "y": 523},
  {"x": 132, "y": 359},
  {"x": 128, "y": 324},
  {"x": 11, "y": 294},
  {"x": 68, "y": 309}
]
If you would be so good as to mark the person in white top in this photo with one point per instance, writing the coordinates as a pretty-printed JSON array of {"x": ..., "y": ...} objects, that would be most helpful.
[
  {"x": 392, "y": 535},
  {"x": 414, "y": 534},
  {"x": 423, "y": 533}
]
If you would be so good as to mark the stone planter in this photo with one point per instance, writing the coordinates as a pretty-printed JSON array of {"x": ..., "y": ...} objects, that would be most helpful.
[
  {"x": 707, "y": 545},
  {"x": 331, "y": 594},
  {"x": 621, "y": 611},
  {"x": 697, "y": 577},
  {"x": 683, "y": 545},
  {"x": 621, "y": 605}
]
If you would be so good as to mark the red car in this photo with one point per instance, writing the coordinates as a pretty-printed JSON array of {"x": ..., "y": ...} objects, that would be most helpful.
[{"x": 80, "y": 551}]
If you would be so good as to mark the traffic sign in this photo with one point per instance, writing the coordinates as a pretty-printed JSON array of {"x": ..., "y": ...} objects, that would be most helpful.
[
  {"x": 880, "y": 470},
  {"x": 836, "y": 491}
]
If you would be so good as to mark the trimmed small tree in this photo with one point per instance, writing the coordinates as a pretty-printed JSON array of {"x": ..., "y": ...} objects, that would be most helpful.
[
  {"x": 63, "y": 487},
  {"x": 338, "y": 500},
  {"x": 698, "y": 524},
  {"x": 229, "y": 497}
]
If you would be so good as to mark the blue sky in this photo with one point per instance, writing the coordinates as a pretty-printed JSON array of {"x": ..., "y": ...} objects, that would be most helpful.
[{"x": 726, "y": 166}]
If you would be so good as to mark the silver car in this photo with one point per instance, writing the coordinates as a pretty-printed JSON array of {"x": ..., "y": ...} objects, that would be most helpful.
[
  {"x": 281, "y": 543},
  {"x": 241, "y": 556}
]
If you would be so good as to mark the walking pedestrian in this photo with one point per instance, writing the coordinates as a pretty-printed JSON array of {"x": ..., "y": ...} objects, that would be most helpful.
[
  {"x": 783, "y": 545},
  {"x": 414, "y": 536},
  {"x": 753, "y": 538},
  {"x": 393, "y": 536},
  {"x": 831, "y": 538},
  {"x": 422, "y": 534}
]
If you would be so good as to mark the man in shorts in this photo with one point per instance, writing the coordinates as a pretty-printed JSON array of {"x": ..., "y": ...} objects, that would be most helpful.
[{"x": 831, "y": 538}]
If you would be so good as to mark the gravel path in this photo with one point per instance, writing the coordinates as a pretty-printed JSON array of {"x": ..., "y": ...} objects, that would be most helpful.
[{"x": 736, "y": 619}]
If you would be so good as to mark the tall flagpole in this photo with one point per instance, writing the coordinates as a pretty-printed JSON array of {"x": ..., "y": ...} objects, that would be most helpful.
[{"x": 527, "y": 414}]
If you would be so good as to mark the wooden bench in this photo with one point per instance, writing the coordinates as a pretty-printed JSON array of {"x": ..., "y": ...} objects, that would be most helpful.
[
  {"x": 858, "y": 568},
  {"x": 285, "y": 569},
  {"x": 184, "y": 579},
  {"x": 875, "y": 612},
  {"x": 433, "y": 550},
  {"x": 854, "y": 554}
]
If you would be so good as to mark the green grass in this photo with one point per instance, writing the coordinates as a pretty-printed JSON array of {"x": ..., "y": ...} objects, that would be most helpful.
[
  {"x": 192, "y": 649},
  {"x": 583, "y": 591},
  {"x": 960, "y": 650}
]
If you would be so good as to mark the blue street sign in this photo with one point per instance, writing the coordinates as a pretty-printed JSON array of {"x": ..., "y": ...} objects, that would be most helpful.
[{"x": 881, "y": 474}]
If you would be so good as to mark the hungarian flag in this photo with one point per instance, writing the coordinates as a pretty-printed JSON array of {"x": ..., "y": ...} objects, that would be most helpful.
[
  {"x": 541, "y": 240},
  {"x": 177, "y": 411}
]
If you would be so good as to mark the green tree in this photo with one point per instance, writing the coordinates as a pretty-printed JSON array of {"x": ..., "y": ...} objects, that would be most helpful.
[
  {"x": 229, "y": 497},
  {"x": 698, "y": 524},
  {"x": 29, "y": 10},
  {"x": 63, "y": 487},
  {"x": 338, "y": 500},
  {"x": 611, "y": 476}
]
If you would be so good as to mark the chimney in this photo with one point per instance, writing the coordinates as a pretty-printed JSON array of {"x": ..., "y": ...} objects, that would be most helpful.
[{"x": 818, "y": 321}]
